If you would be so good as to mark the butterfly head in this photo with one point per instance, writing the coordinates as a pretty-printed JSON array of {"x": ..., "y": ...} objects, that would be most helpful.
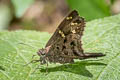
[{"x": 42, "y": 53}]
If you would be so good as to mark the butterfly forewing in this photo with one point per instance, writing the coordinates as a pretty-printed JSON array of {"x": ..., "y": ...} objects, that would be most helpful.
[
  {"x": 63, "y": 27},
  {"x": 66, "y": 41}
]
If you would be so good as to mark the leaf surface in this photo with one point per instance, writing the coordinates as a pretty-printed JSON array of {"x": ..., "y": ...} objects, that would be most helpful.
[{"x": 101, "y": 35}]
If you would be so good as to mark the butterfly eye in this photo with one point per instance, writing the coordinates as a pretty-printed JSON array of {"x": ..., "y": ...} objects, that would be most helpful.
[{"x": 41, "y": 52}]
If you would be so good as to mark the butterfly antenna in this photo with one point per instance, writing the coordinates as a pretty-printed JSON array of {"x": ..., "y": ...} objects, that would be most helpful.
[
  {"x": 27, "y": 45},
  {"x": 33, "y": 61},
  {"x": 28, "y": 63}
]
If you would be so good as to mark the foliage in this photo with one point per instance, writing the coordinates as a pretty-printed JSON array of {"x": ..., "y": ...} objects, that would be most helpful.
[
  {"x": 112, "y": 1},
  {"x": 101, "y": 35},
  {"x": 90, "y": 9}
]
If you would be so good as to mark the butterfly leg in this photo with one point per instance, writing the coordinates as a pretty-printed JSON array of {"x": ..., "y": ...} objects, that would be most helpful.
[
  {"x": 36, "y": 69},
  {"x": 33, "y": 56},
  {"x": 33, "y": 61},
  {"x": 47, "y": 64}
]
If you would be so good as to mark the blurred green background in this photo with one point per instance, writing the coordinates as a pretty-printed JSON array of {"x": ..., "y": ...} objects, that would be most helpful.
[{"x": 45, "y": 15}]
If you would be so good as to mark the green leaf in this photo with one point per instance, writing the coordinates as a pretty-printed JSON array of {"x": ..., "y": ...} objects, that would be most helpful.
[
  {"x": 112, "y": 1},
  {"x": 101, "y": 35},
  {"x": 90, "y": 9}
]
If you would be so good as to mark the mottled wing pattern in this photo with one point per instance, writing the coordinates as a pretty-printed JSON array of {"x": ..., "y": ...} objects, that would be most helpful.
[
  {"x": 65, "y": 24},
  {"x": 66, "y": 41}
]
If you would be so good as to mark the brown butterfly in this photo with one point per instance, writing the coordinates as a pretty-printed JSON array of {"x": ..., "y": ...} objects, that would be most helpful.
[{"x": 65, "y": 44}]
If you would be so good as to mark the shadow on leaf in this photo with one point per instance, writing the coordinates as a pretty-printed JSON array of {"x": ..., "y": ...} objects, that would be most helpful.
[{"x": 77, "y": 68}]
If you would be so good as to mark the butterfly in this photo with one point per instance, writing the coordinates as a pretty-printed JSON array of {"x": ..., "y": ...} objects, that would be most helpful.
[{"x": 65, "y": 44}]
